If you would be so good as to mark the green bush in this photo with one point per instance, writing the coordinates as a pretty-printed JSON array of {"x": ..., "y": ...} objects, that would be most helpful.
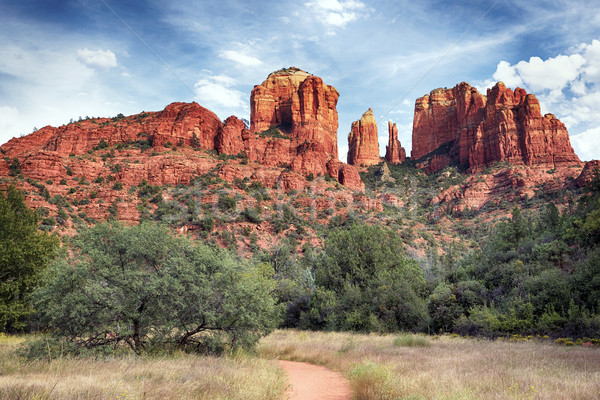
[
  {"x": 142, "y": 288},
  {"x": 226, "y": 203},
  {"x": 376, "y": 287}
]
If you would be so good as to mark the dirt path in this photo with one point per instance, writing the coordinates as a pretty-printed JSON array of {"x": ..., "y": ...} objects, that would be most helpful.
[{"x": 310, "y": 382}]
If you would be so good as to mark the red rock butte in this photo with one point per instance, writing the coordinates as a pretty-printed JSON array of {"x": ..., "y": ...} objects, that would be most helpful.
[
  {"x": 363, "y": 145},
  {"x": 461, "y": 126},
  {"x": 298, "y": 104}
]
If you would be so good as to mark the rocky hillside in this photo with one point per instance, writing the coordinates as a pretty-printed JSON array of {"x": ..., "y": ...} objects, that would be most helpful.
[{"x": 249, "y": 186}]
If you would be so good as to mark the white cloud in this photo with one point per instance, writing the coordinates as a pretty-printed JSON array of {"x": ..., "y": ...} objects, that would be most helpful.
[
  {"x": 538, "y": 75},
  {"x": 241, "y": 58},
  {"x": 218, "y": 95},
  {"x": 587, "y": 144},
  {"x": 336, "y": 13},
  {"x": 97, "y": 58},
  {"x": 507, "y": 74}
]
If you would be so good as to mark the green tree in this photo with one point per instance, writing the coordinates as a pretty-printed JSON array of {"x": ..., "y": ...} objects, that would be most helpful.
[
  {"x": 24, "y": 253},
  {"x": 377, "y": 287},
  {"x": 145, "y": 288}
]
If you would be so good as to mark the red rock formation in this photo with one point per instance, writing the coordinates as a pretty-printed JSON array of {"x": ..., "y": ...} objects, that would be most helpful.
[
  {"x": 504, "y": 183},
  {"x": 298, "y": 104},
  {"x": 394, "y": 152},
  {"x": 474, "y": 131},
  {"x": 233, "y": 137},
  {"x": 293, "y": 123},
  {"x": 590, "y": 170},
  {"x": 186, "y": 124},
  {"x": 345, "y": 174},
  {"x": 363, "y": 146}
]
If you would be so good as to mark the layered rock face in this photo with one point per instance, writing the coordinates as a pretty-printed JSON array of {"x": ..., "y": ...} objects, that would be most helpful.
[
  {"x": 394, "y": 152},
  {"x": 187, "y": 124},
  {"x": 299, "y": 104},
  {"x": 363, "y": 146},
  {"x": 461, "y": 126}
]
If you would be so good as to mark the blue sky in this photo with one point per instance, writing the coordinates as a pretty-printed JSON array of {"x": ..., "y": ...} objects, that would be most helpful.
[{"x": 69, "y": 58}]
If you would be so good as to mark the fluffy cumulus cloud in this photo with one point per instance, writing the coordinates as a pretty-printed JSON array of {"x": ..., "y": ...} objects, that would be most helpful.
[
  {"x": 97, "y": 58},
  {"x": 218, "y": 94},
  {"x": 336, "y": 13},
  {"x": 566, "y": 85}
]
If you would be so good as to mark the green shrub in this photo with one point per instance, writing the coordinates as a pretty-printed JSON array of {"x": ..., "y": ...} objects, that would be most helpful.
[
  {"x": 226, "y": 203},
  {"x": 162, "y": 295}
]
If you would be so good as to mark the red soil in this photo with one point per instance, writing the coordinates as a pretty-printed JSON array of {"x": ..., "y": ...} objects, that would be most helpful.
[{"x": 312, "y": 382}]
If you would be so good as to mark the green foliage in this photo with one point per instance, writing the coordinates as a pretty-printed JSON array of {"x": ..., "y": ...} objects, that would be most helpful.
[
  {"x": 375, "y": 286},
  {"x": 141, "y": 287},
  {"x": 226, "y": 203},
  {"x": 273, "y": 132},
  {"x": 207, "y": 223},
  {"x": 14, "y": 167},
  {"x": 410, "y": 340},
  {"x": 24, "y": 254},
  {"x": 101, "y": 145},
  {"x": 251, "y": 215}
]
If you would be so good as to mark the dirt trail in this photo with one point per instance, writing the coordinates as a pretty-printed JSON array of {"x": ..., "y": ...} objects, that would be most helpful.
[{"x": 313, "y": 382}]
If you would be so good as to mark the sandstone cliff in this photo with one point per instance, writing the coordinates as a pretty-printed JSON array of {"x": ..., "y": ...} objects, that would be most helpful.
[
  {"x": 298, "y": 104},
  {"x": 461, "y": 126},
  {"x": 363, "y": 146},
  {"x": 394, "y": 152}
]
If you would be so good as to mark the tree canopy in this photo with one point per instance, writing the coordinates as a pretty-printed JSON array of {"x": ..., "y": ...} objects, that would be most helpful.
[
  {"x": 365, "y": 282},
  {"x": 24, "y": 254},
  {"x": 143, "y": 287}
]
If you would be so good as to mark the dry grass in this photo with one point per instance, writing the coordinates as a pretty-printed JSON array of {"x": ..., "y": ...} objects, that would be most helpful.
[
  {"x": 385, "y": 367},
  {"x": 175, "y": 377}
]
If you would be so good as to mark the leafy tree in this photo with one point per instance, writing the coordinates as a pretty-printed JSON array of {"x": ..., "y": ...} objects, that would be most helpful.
[
  {"x": 585, "y": 282},
  {"x": 24, "y": 254},
  {"x": 376, "y": 286},
  {"x": 143, "y": 287}
]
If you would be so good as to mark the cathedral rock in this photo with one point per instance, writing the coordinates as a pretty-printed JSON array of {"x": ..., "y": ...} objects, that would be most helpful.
[{"x": 463, "y": 127}]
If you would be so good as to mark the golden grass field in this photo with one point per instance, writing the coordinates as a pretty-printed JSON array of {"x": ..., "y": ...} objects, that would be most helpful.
[
  {"x": 180, "y": 376},
  {"x": 445, "y": 367},
  {"x": 380, "y": 367}
]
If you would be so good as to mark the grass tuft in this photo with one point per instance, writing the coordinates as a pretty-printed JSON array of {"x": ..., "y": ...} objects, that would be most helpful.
[
  {"x": 370, "y": 380},
  {"x": 410, "y": 340}
]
